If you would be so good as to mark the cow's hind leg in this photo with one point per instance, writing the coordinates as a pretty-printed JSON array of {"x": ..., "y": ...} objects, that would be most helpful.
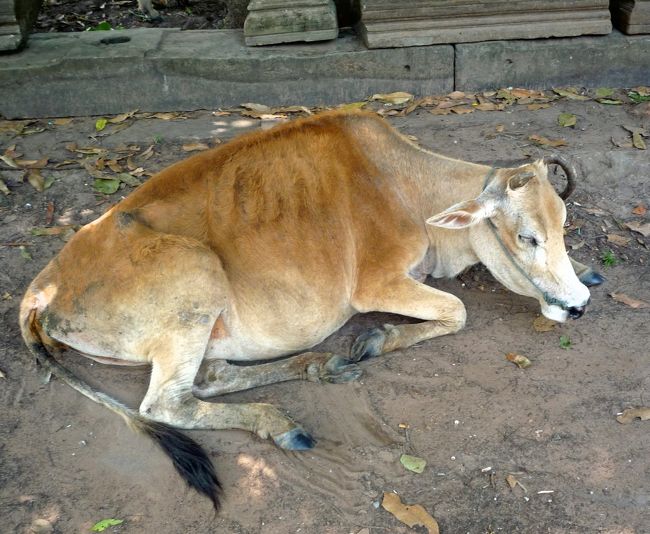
[
  {"x": 169, "y": 399},
  {"x": 442, "y": 312},
  {"x": 220, "y": 377}
]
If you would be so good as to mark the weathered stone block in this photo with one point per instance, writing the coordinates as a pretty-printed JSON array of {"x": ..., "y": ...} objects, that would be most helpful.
[
  {"x": 631, "y": 16},
  {"x": 615, "y": 60},
  {"x": 386, "y": 23},
  {"x": 283, "y": 21}
]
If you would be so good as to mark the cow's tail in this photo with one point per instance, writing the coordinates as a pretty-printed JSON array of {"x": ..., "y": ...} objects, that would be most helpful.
[{"x": 188, "y": 457}]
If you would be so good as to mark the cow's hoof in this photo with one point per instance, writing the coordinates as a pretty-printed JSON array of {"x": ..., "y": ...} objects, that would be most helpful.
[
  {"x": 336, "y": 370},
  {"x": 295, "y": 439},
  {"x": 368, "y": 345},
  {"x": 592, "y": 278}
]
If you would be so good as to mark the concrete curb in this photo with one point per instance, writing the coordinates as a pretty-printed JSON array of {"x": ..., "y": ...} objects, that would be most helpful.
[
  {"x": 97, "y": 73},
  {"x": 161, "y": 70}
]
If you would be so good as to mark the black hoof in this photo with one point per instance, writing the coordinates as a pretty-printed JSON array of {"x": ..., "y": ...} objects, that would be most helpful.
[
  {"x": 338, "y": 370},
  {"x": 592, "y": 278},
  {"x": 368, "y": 345},
  {"x": 295, "y": 439}
]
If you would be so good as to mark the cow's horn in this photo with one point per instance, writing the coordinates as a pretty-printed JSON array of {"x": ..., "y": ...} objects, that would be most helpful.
[{"x": 568, "y": 169}]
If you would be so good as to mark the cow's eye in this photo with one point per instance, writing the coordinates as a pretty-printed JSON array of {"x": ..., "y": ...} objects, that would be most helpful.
[{"x": 529, "y": 240}]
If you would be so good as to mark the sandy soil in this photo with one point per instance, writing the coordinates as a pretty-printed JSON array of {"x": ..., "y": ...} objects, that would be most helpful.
[{"x": 471, "y": 414}]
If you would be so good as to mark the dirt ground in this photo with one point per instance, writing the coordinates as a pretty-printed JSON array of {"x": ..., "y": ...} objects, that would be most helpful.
[
  {"x": 84, "y": 15},
  {"x": 66, "y": 463}
]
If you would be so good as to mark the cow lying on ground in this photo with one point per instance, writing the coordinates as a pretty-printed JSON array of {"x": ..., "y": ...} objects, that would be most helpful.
[{"x": 265, "y": 246}]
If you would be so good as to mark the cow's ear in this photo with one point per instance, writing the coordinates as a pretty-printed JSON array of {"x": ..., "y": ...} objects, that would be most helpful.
[{"x": 462, "y": 215}]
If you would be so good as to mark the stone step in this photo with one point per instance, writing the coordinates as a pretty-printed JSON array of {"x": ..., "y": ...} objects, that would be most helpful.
[{"x": 387, "y": 24}]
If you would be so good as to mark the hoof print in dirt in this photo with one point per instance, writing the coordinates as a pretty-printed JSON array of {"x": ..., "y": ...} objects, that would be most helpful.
[
  {"x": 295, "y": 439},
  {"x": 368, "y": 345}
]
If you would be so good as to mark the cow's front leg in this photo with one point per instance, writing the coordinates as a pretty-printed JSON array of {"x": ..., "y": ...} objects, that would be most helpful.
[
  {"x": 219, "y": 377},
  {"x": 586, "y": 274},
  {"x": 442, "y": 312}
]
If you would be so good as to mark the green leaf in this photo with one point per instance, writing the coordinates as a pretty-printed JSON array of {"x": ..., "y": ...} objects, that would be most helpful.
[
  {"x": 102, "y": 26},
  {"x": 565, "y": 342},
  {"x": 25, "y": 253},
  {"x": 413, "y": 463},
  {"x": 102, "y": 525},
  {"x": 638, "y": 98},
  {"x": 609, "y": 101},
  {"x": 106, "y": 186},
  {"x": 604, "y": 92},
  {"x": 566, "y": 119},
  {"x": 100, "y": 124}
]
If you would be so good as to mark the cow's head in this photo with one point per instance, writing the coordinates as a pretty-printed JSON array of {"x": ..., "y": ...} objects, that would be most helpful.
[{"x": 520, "y": 237}]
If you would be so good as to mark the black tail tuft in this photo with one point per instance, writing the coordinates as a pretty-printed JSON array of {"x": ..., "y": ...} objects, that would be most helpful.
[{"x": 188, "y": 457}]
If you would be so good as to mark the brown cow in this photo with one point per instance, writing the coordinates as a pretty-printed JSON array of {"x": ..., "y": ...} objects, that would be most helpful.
[{"x": 265, "y": 246}]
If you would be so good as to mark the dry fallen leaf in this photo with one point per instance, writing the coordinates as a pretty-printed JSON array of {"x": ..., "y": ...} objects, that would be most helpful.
[
  {"x": 629, "y": 301},
  {"x": 62, "y": 121},
  {"x": 489, "y": 106},
  {"x": 637, "y": 141},
  {"x": 259, "y": 108},
  {"x": 456, "y": 95},
  {"x": 462, "y": 110},
  {"x": 639, "y": 210},
  {"x": 513, "y": 482},
  {"x": 631, "y": 414},
  {"x": 398, "y": 97},
  {"x": 571, "y": 93},
  {"x": 122, "y": 117},
  {"x": 619, "y": 240},
  {"x": 641, "y": 228},
  {"x": 535, "y": 107},
  {"x": 539, "y": 139},
  {"x": 192, "y": 147},
  {"x": 36, "y": 180},
  {"x": 3, "y": 187},
  {"x": 410, "y": 515},
  {"x": 542, "y": 324},
  {"x": 9, "y": 161},
  {"x": 2, "y": 374},
  {"x": 49, "y": 213},
  {"x": 168, "y": 116},
  {"x": 520, "y": 361},
  {"x": 146, "y": 154}
]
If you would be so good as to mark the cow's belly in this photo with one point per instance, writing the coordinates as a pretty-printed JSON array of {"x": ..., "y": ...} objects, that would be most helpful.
[{"x": 275, "y": 323}]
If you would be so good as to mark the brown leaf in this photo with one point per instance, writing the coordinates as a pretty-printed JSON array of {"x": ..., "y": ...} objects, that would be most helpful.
[
  {"x": 619, "y": 240},
  {"x": 49, "y": 213},
  {"x": 114, "y": 165},
  {"x": 512, "y": 481},
  {"x": 410, "y": 515},
  {"x": 62, "y": 121},
  {"x": 536, "y": 106},
  {"x": 146, "y": 154},
  {"x": 2, "y": 374},
  {"x": 542, "y": 324},
  {"x": 539, "y": 139},
  {"x": 220, "y": 113},
  {"x": 122, "y": 117},
  {"x": 639, "y": 210},
  {"x": 631, "y": 414},
  {"x": 489, "y": 106},
  {"x": 462, "y": 110},
  {"x": 36, "y": 180},
  {"x": 527, "y": 93},
  {"x": 595, "y": 211},
  {"x": 641, "y": 228},
  {"x": 520, "y": 361},
  {"x": 637, "y": 141},
  {"x": 629, "y": 301},
  {"x": 9, "y": 161},
  {"x": 293, "y": 109},
  {"x": 439, "y": 111},
  {"x": 499, "y": 128},
  {"x": 193, "y": 147},
  {"x": 456, "y": 95},
  {"x": 570, "y": 93},
  {"x": 3, "y": 187},
  {"x": 259, "y": 108},
  {"x": 168, "y": 116},
  {"x": 399, "y": 97},
  {"x": 32, "y": 163}
]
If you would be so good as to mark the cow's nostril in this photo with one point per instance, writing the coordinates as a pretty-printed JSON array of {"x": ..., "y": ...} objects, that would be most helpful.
[{"x": 575, "y": 312}]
